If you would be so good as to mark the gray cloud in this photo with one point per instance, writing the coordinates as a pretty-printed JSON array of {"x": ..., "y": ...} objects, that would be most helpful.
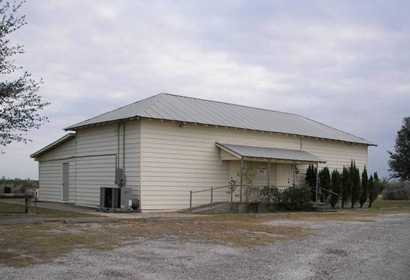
[{"x": 345, "y": 63}]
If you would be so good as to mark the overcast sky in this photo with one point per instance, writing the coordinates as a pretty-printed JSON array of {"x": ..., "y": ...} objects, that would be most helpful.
[{"x": 345, "y": 63}]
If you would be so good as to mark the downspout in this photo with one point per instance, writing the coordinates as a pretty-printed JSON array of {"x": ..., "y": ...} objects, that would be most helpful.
[
  {"x": 123, "y": 146},
  {"x": 117, "y": 164},
  {"x": 241, "y": 174},
  {"x": 120, "y": 168},
  {"x": 117, "y": 161}
]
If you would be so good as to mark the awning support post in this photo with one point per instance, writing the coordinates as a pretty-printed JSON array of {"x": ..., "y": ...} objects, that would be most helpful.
[{"x": 268, "y": 172}]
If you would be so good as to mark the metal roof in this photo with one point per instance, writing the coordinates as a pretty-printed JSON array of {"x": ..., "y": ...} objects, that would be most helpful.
[
  {"x": 194, "y": 110},
  {"x": 50, "y": 146},
  {"x": 269, "y": 153}
]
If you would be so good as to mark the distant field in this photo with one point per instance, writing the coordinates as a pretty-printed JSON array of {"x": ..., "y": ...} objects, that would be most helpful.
[
  {"x": 15, "y": 210},
  {"x": 392, "y": 205}
]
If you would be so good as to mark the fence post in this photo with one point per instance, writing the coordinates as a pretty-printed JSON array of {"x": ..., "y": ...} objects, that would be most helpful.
[
  {"x": 26, "y": 203},
  {"x": 190, "y": 199},
  {"x": 212, "y": 196}
]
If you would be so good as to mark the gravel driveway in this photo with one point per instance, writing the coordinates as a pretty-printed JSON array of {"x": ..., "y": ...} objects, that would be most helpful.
[{"x": 337, "y": 250}]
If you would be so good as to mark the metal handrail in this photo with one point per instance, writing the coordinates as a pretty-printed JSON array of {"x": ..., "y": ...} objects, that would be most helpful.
[
  {"x": 214, "y": 188},
  {"x": 231, "y": 188},
  {"x": 329, "y": 191},
  {"x": 211, "y": 190}
]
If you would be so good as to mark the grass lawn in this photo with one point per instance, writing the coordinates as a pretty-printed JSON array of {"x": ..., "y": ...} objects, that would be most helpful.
[
  {"x": 391, "y": 205},
  {"x": 11, "y": 210}
]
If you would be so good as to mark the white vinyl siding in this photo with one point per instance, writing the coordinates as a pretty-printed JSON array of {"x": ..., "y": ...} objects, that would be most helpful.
[
  {"x": 93, "y": 173},
  {"x": 102, "y": 143},
  {"x": 64, "y": 150},
  {"x": 51, "y": 172},
  {"x": 336, "y": 154},
  {"x": 164, "y": 161},
  {"x": 92, "y": 155},
  {"x": 51, "y": 180},
  {"x": 132, "y": 156},
  {"x": 175, "y": 160}
]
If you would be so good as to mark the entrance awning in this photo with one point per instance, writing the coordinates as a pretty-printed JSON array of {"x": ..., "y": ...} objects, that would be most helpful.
[{"x": 252, "y": 152}]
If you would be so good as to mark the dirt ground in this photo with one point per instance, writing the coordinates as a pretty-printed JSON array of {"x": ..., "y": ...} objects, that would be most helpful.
[{"x": 347, "y": 244}]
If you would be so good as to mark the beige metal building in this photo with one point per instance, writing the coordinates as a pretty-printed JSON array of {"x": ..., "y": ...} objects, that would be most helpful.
[{"x": 168, "y": 145}]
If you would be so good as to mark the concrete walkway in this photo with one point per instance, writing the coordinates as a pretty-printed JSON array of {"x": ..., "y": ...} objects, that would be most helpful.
[
  {"x": 115, "y": 215},
  {"x": 94, "y": 215}
]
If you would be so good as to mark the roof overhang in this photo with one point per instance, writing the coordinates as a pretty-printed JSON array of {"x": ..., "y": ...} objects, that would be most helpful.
[
  {"x": 54, "y": 144},
  {"x": 186, "y": 110},
  {"x": 265, "y": 153},
  {"x": 76, "y": 127}
]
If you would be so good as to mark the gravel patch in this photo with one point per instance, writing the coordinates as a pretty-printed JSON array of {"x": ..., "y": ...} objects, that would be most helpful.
[{"x": 337, "y": 250}]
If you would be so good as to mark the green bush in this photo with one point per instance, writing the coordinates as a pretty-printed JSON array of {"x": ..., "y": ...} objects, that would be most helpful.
[
  {"x": 396, "y": 191},
  {"x": 296, "y": 199},
  {"x": 270, "y": 195},
  {"x": 375, "y": 188},
  {"x": 336, "y": 185},
  {"x": 365, "y": 188},
  {"x": 310, "y": 180},
  {"x": 324, "y": 182},
  {"x": 293, "y": 198},
  {"x": 355, "y": 184},
  {"x": 346, "y": 186}
]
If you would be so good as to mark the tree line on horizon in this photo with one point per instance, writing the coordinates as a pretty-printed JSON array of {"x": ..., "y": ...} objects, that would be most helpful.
[{"x": 17, "y": 184}]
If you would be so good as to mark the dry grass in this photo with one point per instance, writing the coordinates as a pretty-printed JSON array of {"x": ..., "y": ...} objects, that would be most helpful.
[
  {"x": 391, "y": 206},
  {"x": 233, "y": 230},
  {"x": 22, "y": 245},
  {"x": 11, "y": 210}
]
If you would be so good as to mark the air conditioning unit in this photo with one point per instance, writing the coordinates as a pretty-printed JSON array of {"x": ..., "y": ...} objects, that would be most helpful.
[
  {"x": 114, "y": 199},
  {"x": 110, "y": 198}
]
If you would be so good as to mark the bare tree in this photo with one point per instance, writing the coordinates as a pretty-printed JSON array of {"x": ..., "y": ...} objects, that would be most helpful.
[{"x": 21, "y": 108}]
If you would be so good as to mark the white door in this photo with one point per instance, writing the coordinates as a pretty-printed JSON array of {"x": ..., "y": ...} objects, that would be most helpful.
[
  {"x": 284, "y": 176},
  {"x": 261, "y": 174}
]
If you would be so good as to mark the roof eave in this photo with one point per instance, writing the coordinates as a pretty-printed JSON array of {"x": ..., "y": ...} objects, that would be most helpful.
[
  {"x": 75, "y": 127},
  {"x": 286, "y": 160},
  {"x": 239, "y": 155},
  {"x": 52, "y": 145}
]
